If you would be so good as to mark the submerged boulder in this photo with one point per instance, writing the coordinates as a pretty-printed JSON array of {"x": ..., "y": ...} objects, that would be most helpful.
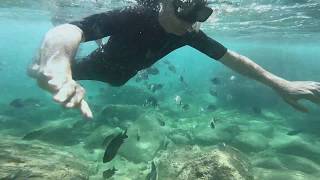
[
  {"x": 119, "y": 115},
  {"x": 224, "y": 163},
  {"x": 57, "y": 132},
  {"x": 251, "y": 142},
  {"x": 145, "y": 138},
  {"x": 297, "y": 146},
  {"x": 25, "y": 160}
]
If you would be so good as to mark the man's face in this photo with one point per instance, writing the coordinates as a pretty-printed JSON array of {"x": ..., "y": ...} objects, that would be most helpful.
[
  {"x": 172, "y": 23},
  {"x": 180, "y": 26}
]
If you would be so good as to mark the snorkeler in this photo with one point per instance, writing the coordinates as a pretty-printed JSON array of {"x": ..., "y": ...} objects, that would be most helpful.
[{"x": 139, "y": 37}]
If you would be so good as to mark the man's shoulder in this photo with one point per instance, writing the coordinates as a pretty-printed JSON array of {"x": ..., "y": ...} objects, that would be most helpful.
[
  {"x": 194, "y": 35},
  {"x": 134, "y": 11}
]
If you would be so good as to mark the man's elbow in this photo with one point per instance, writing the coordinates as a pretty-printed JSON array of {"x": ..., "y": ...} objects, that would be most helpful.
[
  {"x": 230, "y": 55},
  {"x": 63, "y": 33}
]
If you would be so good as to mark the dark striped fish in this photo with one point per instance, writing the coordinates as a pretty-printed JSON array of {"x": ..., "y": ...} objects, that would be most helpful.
[
  {"x": 109, "y": 173},
  {"x": 113, "y": 146}
]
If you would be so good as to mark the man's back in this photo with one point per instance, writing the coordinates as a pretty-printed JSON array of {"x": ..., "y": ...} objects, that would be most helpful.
[{"x": 136, "y": 41}]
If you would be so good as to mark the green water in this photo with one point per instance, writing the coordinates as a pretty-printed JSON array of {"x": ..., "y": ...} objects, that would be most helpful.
[{"x": 70, "y": 147}]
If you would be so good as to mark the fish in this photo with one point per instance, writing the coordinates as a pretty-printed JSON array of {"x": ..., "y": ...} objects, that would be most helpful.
[
  {"x": 181, "y": 79},
  {"x": 113, "y": 146},
  {"x": 213, "y": 92},
  {"x": 166, "y": 62},
  {"x": 185, "y": 107},
  {"x": 229, "y": 97},
  {"x": 138, "y": 135},
  {"x": 20, "y": 103},
  {"x": 107, "y": 139},
  {"x": 102, "y": 90},
  {"x": 153, "y": 175},
  {"x": 232, "y": 78},
  {"x": 142, "y": 76},
  {"x": 178, "y": 100},
  {"x": 172, "y": 68},
  {"x": 211, "y": 107},
  {"x": 17, "y": 103},
  {"x": 151, "y": 101},
  {"x": 109, "y": 173},
  {"x": 33, "y": 135},
  {"x": 161, "y": 122},
  {"x": 213, "y": 123},
  {"x": 256, "y": 110},
  {"x": 31, "y": 101},
  {"x": 152, "y": 70},
  {"x": 201, "y": 110},
  {"x": 154, "y": 87},
  {"x": 215, "y": 81},
  {"x": 294, "y": 132}
]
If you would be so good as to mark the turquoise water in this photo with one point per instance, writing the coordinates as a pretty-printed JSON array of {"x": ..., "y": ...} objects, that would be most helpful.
[{"x": 282, "y": 36}]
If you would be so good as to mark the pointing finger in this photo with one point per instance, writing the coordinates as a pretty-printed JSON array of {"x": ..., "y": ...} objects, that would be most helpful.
[{"x": 85, "y": 110}]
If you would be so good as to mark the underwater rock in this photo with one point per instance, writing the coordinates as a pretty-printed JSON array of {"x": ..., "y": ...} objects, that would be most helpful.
[
  {"x": 205, "y": 135},
  {"x": 223, "y": 163},
  {"x": 180, "y": 137},
  {"x": 97, "y": 137},
  {"x": 277, "y": 161},
  {"x": 119, "y": 115},
  {"x": 266, "y": 129},
  {"x": 282, "y": 174},
  {"x": 298, "y": 147},
  {"x": 57, "y": 134},
  {"x": 21, "y": 160},
  {"x": 250, "y": 142},
  {"x": 152, "y": 136},
  {"x": 126, "y": 95},
  {"x": 33, "y": 135}
]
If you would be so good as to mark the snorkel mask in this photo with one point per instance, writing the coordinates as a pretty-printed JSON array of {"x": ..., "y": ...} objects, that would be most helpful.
[{"x": 192, "y": 10}]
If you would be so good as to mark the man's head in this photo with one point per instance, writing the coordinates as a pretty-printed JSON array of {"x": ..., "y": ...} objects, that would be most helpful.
[
  {"x": 192, "y": 10},
  {"x": 182, "y": 16}
]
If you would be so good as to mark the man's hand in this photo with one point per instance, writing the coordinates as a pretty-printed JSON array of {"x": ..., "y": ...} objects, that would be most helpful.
[
  {"x": 55, "y": 77},
  {"x": 52, "y": 69},
  {"x": 293, "y": 91}
]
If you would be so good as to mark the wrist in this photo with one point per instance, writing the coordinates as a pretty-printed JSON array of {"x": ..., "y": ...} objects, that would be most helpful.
[{"x": 275, "y": 82}]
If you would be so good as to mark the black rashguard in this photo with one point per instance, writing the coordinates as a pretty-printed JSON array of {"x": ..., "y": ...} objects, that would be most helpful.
[{"x": 136, "y": 42}]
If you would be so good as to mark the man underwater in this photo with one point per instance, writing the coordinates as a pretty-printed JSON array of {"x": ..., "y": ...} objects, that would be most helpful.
[{"x": 139, "y": 37}]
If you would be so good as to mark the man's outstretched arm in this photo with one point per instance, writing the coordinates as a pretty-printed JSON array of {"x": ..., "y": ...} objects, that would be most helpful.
[
  {"x": 290, "y": 91},
  {"x": 52, "y": 67}
]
